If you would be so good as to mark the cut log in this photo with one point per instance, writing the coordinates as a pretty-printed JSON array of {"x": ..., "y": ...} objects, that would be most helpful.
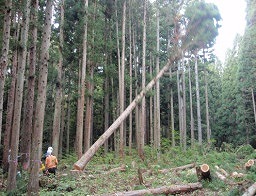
[
  {"x": 174, "y": 189},
  {"x": 203, "y": 172},
  {"x": 122, "y": 168},
  {"x": 237, "y": 175},
  {"x": 222, "y": 171},
  {"x": 220, "y": 176},
  {"x": 81, "y": 163},
  {"x": 249, "y": 164},
  {"x": 178, "y": 168},
  {"x": 251, "y": 191}
]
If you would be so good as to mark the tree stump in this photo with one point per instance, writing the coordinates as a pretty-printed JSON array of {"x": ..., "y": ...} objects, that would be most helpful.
[{"x": 203, "y": 172}]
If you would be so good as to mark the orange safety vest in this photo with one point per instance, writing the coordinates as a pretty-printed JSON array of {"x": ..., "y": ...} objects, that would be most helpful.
[{"x": 51, "y": 162}]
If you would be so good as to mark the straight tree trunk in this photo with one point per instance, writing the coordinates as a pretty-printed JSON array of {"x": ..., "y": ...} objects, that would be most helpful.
[
  {"x": 37, "y": 134},
  {"x": 4, "y": 55},
  {"x": 172, "y": 120},
  {"x": 22, "y": 53},
  {"x": 199, "y": 126},
  {"x": 184, "y": 128},
  {"x": 130, "y": 76},
  {"x": 89, "y": 110},
  {"x": 192, "y": 128},
  {"x": 143, "y": 102},
  {"x": 157, "y": 135},
  {"x": 121, "y": 81},
  {"x": 254, "y": 109},
  {"x": 81, "y": 99},
  {"x": 11, "y": 96},
  {"x": 207, "y": 109},
  {"x": 58, "y": 93},
  {"x": 68, "y": 122},
  {"x": 151, "y": 107},
  {"x": 29, "y": 106}
]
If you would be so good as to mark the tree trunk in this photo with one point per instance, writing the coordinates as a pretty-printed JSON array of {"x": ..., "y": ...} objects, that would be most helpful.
[
  {"x": 80, "y": 109},
  {"x": 58, "y": 94},
  {"x": 121, "y": 81},
  {"x": 68, "y": 123},
  {"x": 254, "y": 109},
  {"x": 130, "y": 76},
  {"x": 29, "y": 106},
  {"x": 37, "y": 134},
  {"x": 4, "y": 55},
  {"x": 11, "y": 183},
  {"x": 207, "y": 110},
  {"x": 184, "y": 111},
  {"x": 157, "y": 135},
  {"x": 89, "y": 111},
  {"x": 11, "y": 96},
  {"x": 199, "y": 126},
  {"x": 81, "y": 163},
  {"x": 143, "y": 84},
  {"x": 192, "y": 128}
]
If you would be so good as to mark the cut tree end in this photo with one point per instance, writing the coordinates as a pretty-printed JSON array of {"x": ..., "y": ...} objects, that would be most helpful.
[
  {"x": 77, "y": 167},
  {"x": 205, "y": 168}
]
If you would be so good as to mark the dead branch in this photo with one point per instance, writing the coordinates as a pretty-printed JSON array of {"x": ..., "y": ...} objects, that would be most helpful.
[
  {"x": 251, "y": 190},
  {"x": 174, "y": 189}
]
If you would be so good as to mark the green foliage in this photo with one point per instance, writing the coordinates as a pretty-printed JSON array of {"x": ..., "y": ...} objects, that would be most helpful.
[{"x": 244, "y": 151}]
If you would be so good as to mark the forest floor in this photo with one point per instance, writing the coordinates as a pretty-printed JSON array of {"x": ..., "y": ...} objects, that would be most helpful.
[{"x": 107, "y": 174}]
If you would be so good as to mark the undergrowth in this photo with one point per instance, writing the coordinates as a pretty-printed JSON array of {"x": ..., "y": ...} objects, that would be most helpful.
[{"x": 97, "y": 179}]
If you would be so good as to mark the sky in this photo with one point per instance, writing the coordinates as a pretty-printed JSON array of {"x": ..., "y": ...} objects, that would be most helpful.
[{"x": 233, "y": 23}]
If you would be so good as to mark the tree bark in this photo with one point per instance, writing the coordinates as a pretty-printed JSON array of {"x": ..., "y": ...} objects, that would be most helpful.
[
  {"x": 89, "y": 111},
  {"x": 199, "y": 126},
  {"x": 81, "y": 99},
  {"x": 251, "y": 190},
  {"x": 121, "y": 81},
  {"x": 4, "y": 55},
  {"x": 58, "y": 94},
  {"x": 207, "y": 110},
  {"x": 143, "y": 84},
  {"x": 22, "y": 53},
  {"x": 37, "y": 134},
  {"x": 174, "y": 189},
  {"x": 157, "y": 130},
  {"x": 254, "y": 109},
  {"x": 26, "y": 134},
  {"x": 81, "y": 163},
  {"x": 192, "y": 122}
]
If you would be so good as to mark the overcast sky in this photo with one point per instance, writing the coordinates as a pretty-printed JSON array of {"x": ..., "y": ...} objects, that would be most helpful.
[{"x": 233, "y": 22}]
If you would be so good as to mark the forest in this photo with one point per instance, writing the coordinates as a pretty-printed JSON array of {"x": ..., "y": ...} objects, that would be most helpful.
[{"x": 128, "y": 92}]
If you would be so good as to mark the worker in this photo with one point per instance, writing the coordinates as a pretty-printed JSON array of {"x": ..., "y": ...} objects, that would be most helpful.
[{"x": 51, "y": 162}]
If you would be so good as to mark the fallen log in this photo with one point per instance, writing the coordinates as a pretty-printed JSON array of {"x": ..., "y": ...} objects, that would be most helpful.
[
  {"x": 251, "y": 191},
  {"x": 81, "y": 163},
  {"x": 178, "y": 168},
  {"x": 122, "y": 168},
  {"x": 222, "y": 171},
  {"x": 220, "y": 176},
  {"x": 174, "y": 189}
]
